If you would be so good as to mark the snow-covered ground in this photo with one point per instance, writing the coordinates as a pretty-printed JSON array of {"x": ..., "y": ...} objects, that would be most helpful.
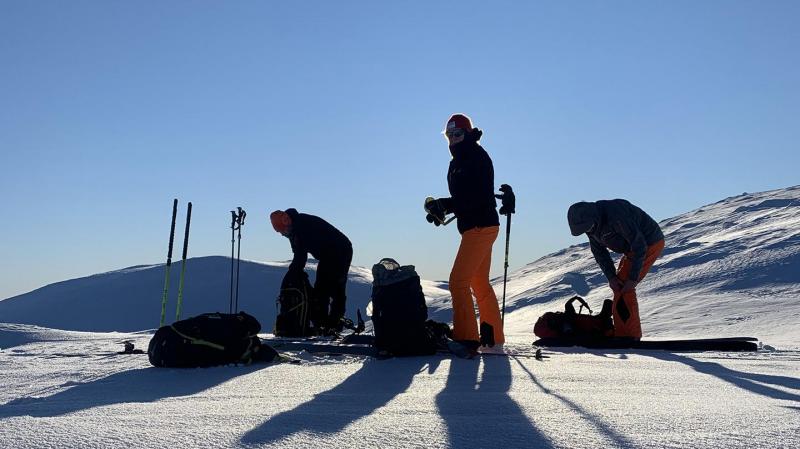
[
  {"x": 65, "y": 390},
  {"x": 730, "y": 268}
]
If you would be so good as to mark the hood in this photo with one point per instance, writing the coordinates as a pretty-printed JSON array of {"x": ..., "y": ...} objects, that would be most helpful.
[{"x": 581, "y": 217}]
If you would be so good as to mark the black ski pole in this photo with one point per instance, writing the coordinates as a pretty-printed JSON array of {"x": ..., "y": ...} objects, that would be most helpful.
[
  {"x": 509, "y": 207},
  {"x": 169, "y": 262},
  {"x": 183, "y": 261},
  {"x": 234, "y": 219},
  {"x": 242, "y": 214}
]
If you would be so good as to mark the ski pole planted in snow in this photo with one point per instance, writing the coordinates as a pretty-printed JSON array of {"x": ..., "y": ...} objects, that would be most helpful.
[
  {"x": 234, "y": 220},
  {"x": 183, "y": 261},
  {"x": 169, "y": 262},
  {"x": 508, "y": 207},
  {"x": 242, "y": 214}
]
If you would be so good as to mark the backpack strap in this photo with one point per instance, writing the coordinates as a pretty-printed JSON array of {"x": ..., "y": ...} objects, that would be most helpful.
[
  {"x": 570, "y": 309},
  {"x": 197, "y": 341}
]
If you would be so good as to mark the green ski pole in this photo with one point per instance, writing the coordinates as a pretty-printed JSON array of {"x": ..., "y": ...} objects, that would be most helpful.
[
  {"x": 169, "y": 262},
  {"x": 183, "y": 261}
]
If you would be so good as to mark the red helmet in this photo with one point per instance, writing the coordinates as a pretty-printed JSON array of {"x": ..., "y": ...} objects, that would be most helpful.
[{"x": 459, "y": 121}]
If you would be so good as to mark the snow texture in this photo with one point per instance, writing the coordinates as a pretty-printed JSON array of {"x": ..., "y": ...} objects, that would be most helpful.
[{"x": 730, "y": 268}]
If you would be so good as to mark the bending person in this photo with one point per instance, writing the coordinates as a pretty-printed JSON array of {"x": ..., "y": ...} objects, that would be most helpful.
[
  {"x": 334, "y": 252},
  {"x": 623, "y": 228}
]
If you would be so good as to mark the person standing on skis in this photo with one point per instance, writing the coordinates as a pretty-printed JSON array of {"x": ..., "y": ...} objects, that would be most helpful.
[
  {"x": 334, "y": 252},
  {"x": 623, "y": 228},
  {"x": 470, "y": 179}
]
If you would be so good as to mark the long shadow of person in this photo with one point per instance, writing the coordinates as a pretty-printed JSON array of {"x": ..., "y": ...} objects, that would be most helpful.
[
  {"x": 138, "y": 385},
  {"x": 747, "y": 381},
  {"x": 618, "y": 439},
  {"x": 375, "y": 384},
  {"x": 477, "y": 410}
]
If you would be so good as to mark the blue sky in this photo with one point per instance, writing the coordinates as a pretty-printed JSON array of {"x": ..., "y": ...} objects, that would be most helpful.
[{"x": 109, "y": 110}]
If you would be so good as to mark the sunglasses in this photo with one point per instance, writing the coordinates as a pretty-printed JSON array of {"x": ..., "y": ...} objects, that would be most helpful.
[{"x": 455, "y": 133}]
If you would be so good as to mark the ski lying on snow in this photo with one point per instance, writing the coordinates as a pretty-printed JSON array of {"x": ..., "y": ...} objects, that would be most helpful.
[
  {"x": 338, "y": 348},
  {"x": 698, "y": 344}
]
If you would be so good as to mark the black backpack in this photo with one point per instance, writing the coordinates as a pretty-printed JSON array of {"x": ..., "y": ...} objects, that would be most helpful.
[
  {"x": 209, "y": 339},
  {"x": 294, "y": 306},
  {"x": 399, "y": 312}
]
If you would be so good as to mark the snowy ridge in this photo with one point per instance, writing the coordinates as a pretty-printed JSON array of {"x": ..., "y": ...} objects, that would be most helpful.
[{"x": 730, "y": 268}]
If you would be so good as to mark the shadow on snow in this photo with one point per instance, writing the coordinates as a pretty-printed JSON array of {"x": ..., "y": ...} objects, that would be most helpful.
[{"x": 138, "y": 385}]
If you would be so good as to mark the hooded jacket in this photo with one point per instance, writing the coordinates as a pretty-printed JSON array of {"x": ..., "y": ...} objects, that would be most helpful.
[
  {"x": 470, "y": 178},
  {"x": 619, "y": 226},
  {"x": 311, "y": 234}
]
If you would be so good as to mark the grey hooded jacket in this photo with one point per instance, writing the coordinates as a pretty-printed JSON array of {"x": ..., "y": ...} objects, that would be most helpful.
[{"x": 617, "y": 225}]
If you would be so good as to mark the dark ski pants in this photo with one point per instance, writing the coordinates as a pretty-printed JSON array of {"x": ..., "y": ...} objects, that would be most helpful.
[
  {"x": 626, "y": 306},
  {"x": 331, "y": 285}
]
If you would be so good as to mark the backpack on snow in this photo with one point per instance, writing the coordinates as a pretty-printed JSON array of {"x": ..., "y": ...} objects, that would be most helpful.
[
  {"x": 573, "y": 325},
  {"x": 209, "y": 339},
  {"x": 399, "y": 312},
  {"x": 294, "y": 306}
]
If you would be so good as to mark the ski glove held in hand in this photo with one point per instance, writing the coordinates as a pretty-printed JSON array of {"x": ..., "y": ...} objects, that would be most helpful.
[
  {"x": 615, "y": 284},
  {"x": 436, "y": 212},
  {"x": 629, "y": 286}
]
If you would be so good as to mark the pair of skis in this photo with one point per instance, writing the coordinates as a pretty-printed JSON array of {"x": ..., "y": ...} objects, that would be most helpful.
[{"x": 169, "y": 262}]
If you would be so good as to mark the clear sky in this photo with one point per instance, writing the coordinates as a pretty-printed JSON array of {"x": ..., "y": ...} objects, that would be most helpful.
[{"x": 110, "y": 109}]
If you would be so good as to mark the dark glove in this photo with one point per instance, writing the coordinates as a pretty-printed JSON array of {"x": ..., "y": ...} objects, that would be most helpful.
[
  {"x": 509, "y": 200},
  {"x": 629, "y": 286},
  {"x": 436, "y": 211},
  {"x": 434, "y": 220},
  {"x": 616, "y": 284}
]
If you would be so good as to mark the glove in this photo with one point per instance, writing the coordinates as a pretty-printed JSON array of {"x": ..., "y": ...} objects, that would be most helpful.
[
  {"x": 436, "y": 211},
  {"x": 434, "y": 220},
  {"x": 629, "y": 286},
  {"x": 616, "y": 284},
  {"x": 509, "y": 200}
]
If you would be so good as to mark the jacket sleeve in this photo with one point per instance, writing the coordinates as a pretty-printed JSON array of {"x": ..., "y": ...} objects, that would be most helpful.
[
  {"x": 638, "y": 245},
  {"x": 300, "y": 256},
  {"x": 603, "y": 258}
]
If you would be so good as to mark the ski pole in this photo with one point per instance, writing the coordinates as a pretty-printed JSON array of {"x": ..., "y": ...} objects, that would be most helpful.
[
  {"x": 508, "y": 208},
  {"x": 169, "y": 262},
  {"x": 505, "y": 268},
  {"x": 234, "y": 219},
  {"x": 183, "y": 261},
  {"x": 242, "y": 214}
]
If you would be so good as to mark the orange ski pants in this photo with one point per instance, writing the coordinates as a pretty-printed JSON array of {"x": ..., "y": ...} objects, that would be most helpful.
[
  {"x": 626, "y": 306},
  {"x": 470, "y": 275}
]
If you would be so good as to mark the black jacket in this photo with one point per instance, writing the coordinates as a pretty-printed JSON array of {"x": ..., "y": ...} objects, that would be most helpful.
[
  {"x": 470, "y": 179},
  {"x": 623, "y": 228},
  {"x": 311, "y": 234}
]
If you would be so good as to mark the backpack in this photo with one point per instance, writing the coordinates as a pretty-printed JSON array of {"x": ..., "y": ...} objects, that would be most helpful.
[
  {"x": 574, "y": 325},
  {"x": 294, "y": 307},
  {"x": 209, "y": 339},
  {"x": 399, "y": 312}
]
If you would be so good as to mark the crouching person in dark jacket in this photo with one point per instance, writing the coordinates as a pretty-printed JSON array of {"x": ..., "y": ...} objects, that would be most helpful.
[
  {"x": 623, "y": 228},
  {"x": 311, "y": 234}
]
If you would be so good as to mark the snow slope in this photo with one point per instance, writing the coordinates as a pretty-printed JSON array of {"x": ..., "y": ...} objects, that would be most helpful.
[
  {"x": 730, "y": 268},
  {"x": 130, "y": 299},
  {"x": 65, "y": 389}
]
